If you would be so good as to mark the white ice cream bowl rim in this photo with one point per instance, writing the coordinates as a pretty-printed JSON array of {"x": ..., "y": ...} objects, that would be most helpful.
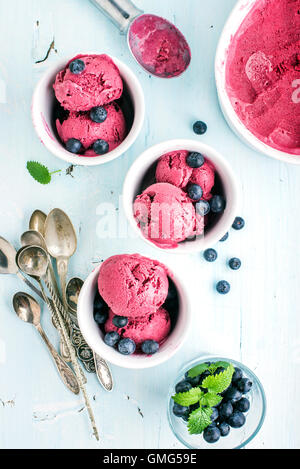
[
  {"x": 42, "y": 107},
  {"x": 238, "y": 14},
  {"x": 94, "y": 336},
  {"x": 229, "y": 181}
]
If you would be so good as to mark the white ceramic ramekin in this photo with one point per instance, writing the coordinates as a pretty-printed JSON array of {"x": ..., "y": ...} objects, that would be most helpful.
[
  {"x": 239, "y": 13},
  {"x": 44, "y": 124},
  {"x": 94, "y": 336},
  {"x": 141, "y": 166}
]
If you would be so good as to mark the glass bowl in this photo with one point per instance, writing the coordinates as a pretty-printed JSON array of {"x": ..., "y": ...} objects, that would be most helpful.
[{"x": 238, "y": 437}]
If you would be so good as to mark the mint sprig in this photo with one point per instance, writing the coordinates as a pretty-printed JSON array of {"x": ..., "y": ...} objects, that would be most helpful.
[
  {"x": 199, "y": 419},
  {"x": 198, "y": 370},
  {"x": 188, "y": 398},
  {"x": 39, "y": 172},
  {"x": 218, "y": 383}
]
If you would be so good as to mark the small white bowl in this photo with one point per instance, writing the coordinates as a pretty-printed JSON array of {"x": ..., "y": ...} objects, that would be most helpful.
[
  {"x": 43, "y": 103},
  {"x": 239, "y": 13},
  {"x": 143, "y": 165},
  {"x": 94, "y": 336}
]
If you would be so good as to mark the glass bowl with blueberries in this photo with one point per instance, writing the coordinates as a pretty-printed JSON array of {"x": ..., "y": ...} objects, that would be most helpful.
[{"x": 216, "y": 403}]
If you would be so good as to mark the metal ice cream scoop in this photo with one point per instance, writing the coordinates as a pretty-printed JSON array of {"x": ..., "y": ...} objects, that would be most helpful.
[{"x": 153, "y": 55}]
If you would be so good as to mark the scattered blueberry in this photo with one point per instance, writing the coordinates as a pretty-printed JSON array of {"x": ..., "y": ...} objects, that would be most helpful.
[
  {"x": 111, "y": 338},
  {"x": 199, "y": 128},
  {"x": 193, "y": 381},
  {"x": 225, "y": 410},
  {"x": 223, "y": 287},
  {"x": 194, "y": 191},
  {"x": 100, "y": 316},
  {"x": 100, "y": 147},
  {"x": 225, "y": 237},
  {"x": 179, "y": 410},
  {"x": 150, "y": 347},
  {"x": 217, "y": 204},
  {"x": 244, "y": 385},
  {"x": 224, "y": 429},
  {"x": 183, "y": 386},
  {"x": 237, "y": 419},
  {"x": 77, "y": 66},
  {"x": 202, "y": 208},
  {"x": 73, "y": 145},
  {"x": 195, "y": 160},
  {"x": 235, "y": 263},
  {"x": 126, "y": 347},
  {"x": 98, "y": 114},
  {"x": 232, "y": 394},
  {"x": 120, "y": 321},
  {"x": 212, "y": 434},
  {"x": 238, "y": 223},
  {"x": 214, "y": 415},
  {"x": 237, "y": 375},
  {"x": 210, "y": 255},
  {"x": 243, "y": 405}
]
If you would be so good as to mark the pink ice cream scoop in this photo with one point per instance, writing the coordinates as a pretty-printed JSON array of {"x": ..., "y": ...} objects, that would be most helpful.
[
  {"x": 81, "y": 127},
  {"x": 263, "y": 73},
  {"x": 173, "y": 169},
  {"x": 133, "y": 285},
  {"x": 165, "y": 215},
  {"x": 154, "y": 326},
  {"x": 94, "y": 81}
]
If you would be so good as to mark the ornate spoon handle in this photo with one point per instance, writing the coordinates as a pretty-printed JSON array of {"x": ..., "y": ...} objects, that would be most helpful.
[
  {"x": 65, "y": 372},
  {"x": 103, "y": 373}
]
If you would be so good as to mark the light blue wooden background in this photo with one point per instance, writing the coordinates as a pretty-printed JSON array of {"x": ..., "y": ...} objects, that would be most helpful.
[{"x": 257, "y": 323}]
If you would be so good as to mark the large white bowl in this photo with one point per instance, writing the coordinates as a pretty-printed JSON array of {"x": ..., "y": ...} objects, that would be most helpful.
[
  {"x": 239, "y": 13},
  {"x": 94, "y": 336},
  {"x": 42, "y": 115},
  {"x": 142, "y": 165}
]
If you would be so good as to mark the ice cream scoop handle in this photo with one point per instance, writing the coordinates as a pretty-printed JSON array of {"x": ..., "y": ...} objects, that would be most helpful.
[{"x": 120, "y": 12}]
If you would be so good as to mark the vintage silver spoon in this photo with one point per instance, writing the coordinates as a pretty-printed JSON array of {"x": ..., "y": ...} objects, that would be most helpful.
[
  {"x": 33, "y": 260},
  {"x": 37, "y": 222},
  {"x": 29, "y": 311},
  {"x": 102, "y": 369},
  {"x": 61, "y": 242}
]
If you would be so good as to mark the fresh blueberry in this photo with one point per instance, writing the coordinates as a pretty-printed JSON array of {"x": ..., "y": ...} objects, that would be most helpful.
[
  {"x": 193, "y": 381},
  {"x": 195, "y": 160},
  {"x": 73, "y": 145},
  {"x": 211, "y": 434},
  {"x": 202, "y": 208},
  {"x": 100, "y": 147},
  {"x": 101, "y": 316},
  {"x": 225, "y": 410},
  {"x": 215, "y": 415},
  {"x": 150, "y": 347},
  {"x": 183, "y": 386},
  {"x": 199, "y": 128},
  {"x": 194, "y": 407},
  {"x": 204, "y": 375},
  {"x": 219, "y": 370},
  {"x": 238, "y": 223},
  {"x": 237, "y": 419},
  {"x": 223, "y": 287},
  {"x": 99, "y": 303},
  {"x": 210, "y": 255},
  {"x": 224, "y": 429},
  {"x": 217, "y": 204},
  {"x": 120, "y": 321},
  {"x": 98, "y": 114},
  {"x": 77, "y": 66},
  {"x": 225, "y": 237},
  {"x": 126, "y": 347},
  {"x": 242, "y": 405},
  {"x": 237, "y": 375},
  {"x": 185, "y": 417},
  {"x": 111, "y": 338},
  {"x": 232, "y": 394},
  {"x": 235, "y": 263},
  {"x": 244, "y": 385},
  {"x": 194, "y": 191},
  {"x": 179, "y": 410}
]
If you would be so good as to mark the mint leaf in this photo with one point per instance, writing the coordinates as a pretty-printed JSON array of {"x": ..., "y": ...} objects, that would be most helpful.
[
  {"x": 39, "y": 172},
  {"x": 199, "y": 419},
  {"x": 188, "y": 398},
  {"x": 219, "y": 382},
  {"x": 198, "y": 370},
  {"x": 211, "y": 399},
  {"x": 214, "y": 366}
]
